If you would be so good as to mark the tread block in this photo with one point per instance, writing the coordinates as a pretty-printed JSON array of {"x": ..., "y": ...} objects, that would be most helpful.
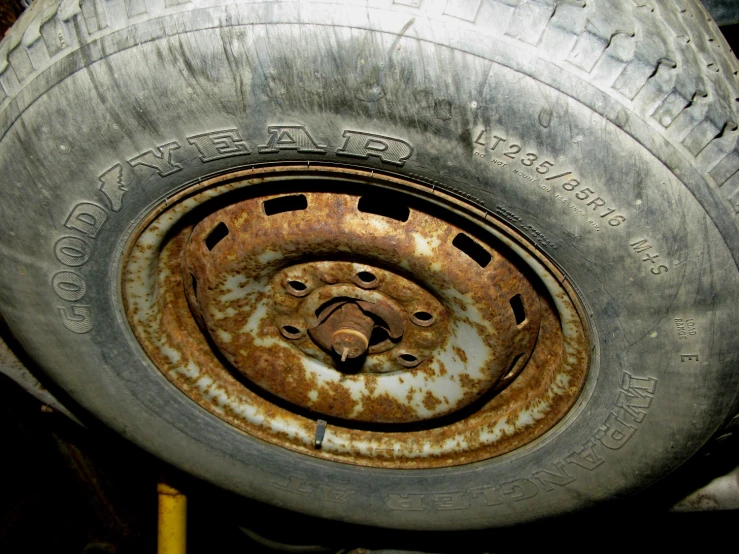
[
  {"x": 495, "y": 15},
  {"x": 633, "y": 78},
  {"x": 94, "y": 15},
  {"x": 9, "y": 82},
  {"x": 135, "y": 7},
  {"x": 588, "y": 49},
  {"x": 463, "y": 9},
  {"x": 726, "y": 168},
  {"x": 733, "y": 196},
  {"x": 52, "y": 34},
  {"x": 700, "y": 136},
  {"x": 562, "y": 32},
  {"x": 670, "y": 108},
  {"x": 530, "y": 20},
  {"x": 21, "y": 63}
]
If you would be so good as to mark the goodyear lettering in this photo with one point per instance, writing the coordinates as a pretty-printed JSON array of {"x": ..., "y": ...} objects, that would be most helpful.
[
  {"x": 290, "y": 137},
  {"x": 387, "y": 149},
  {"x": 86, "y": 219},
  {"x": 219, "y": 144}
]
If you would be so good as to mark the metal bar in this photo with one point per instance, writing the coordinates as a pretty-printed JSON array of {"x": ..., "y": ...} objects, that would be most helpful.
[{"x": 172, "y": 526}]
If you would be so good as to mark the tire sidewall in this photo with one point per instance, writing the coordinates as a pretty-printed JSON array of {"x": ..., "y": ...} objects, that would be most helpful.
[{"x": 653, "y": 395}]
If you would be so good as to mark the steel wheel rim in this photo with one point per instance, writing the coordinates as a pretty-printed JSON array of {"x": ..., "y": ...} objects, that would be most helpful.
[{"x": 519, "y": 404}]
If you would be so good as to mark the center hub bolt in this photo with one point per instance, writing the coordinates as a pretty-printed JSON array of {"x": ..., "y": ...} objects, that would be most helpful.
[{"x": 353, "y": 330}]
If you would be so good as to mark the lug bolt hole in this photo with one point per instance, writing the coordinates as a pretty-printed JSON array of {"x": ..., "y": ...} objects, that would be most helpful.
[
  {"x": 424, "y": 319},
  {"x": 366, "y": 279},
  {"x": 408, "y": 360},
  {"x": 297, "y": 288},
  {"x": 291, "y": 332}
]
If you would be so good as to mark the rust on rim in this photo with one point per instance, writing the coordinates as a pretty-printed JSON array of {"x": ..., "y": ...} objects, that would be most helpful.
[
  {"x": 423, "y": 338},
  {"x": 438, "y": 329}
]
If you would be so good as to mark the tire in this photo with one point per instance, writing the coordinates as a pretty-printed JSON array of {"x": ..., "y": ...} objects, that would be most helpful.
[{"x": 101, "y": 109}]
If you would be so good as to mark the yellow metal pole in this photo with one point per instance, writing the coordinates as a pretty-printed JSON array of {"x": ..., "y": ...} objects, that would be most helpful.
[{"x": 172, "y": 527}]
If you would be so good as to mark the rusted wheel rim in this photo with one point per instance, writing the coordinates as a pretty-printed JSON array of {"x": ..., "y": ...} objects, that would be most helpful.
[{"x": 423, "y": 337}]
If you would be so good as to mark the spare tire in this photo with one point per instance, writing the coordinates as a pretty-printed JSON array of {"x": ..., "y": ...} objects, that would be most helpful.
[{"x": 439, "y": 265}]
